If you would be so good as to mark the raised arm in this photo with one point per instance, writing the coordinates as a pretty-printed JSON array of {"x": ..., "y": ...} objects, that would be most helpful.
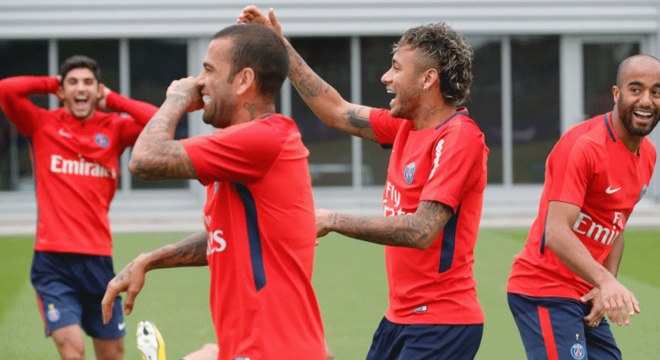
[
  {"x": 140, "y": 111},
  {"x": 156, "y": 155},
  {"x": 14, "y": 92},
  {"x": 333, "y": 110},
  {"x": 619, "y": 303},
  {"x": 190, "y": 251},
  {"x": 418, "y": 230}
]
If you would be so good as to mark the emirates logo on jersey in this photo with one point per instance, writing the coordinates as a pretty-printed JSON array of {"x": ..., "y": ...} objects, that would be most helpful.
[{"x": 80, "y": 167}]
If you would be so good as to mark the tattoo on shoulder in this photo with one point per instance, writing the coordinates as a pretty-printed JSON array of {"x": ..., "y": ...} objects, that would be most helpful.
[{"x": 354, "y": 117}]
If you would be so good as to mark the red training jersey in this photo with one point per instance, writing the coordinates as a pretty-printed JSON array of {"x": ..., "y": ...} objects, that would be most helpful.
[
  {"x": 447, "y": 164},
  {"x": 75, "y": 163},
  {"x": 261, "y": 226},
  {"x": 591, "y": 168}
]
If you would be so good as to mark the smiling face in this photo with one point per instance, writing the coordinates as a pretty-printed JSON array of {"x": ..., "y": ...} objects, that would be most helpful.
[
  {"x": 216, "y": 85},
  {"x": 405, "y": 81},
  {"x": 637, "y": 95},
  {"x": 79, "y": 93}
]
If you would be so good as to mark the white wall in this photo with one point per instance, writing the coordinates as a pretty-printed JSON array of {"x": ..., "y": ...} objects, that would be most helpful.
[{"x": 202, "y": 18}]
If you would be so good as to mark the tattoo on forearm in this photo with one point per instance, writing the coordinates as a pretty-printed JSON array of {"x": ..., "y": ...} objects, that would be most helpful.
[
  {"x": 308, "y": 83},
  {"x": 190, "y": 251},
  {"x": 156, "y": 155},
  {"x": 416, "y": 230}
]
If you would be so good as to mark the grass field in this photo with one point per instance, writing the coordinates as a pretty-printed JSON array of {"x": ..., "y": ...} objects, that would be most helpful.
[{"x": 350, "y": 283}]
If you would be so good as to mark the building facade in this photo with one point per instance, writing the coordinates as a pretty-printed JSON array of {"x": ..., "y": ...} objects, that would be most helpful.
[{"x": 540, "y": 67}]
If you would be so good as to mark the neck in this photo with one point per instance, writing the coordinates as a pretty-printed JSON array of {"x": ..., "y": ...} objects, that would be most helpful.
[
  {"x": 631, "y": 142},
  {"x": 431, "y": 115},
  {"x": 251, "y": 110}
]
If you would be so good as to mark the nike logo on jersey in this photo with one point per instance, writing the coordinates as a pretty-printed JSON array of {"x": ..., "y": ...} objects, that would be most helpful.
[
  {"x": 611, "y": 191},
  {"x": 63, "y": 133},
  {"x": 121, "y": 326}
]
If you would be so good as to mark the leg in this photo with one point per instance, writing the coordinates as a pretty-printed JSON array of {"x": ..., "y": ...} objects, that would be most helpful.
[
  {"x": 601, "y": 344},
  {"x": 550, "y": 328},
  {"x": 112, "y": 349},
  {"x": 207, "y": 352},
  {"x": 70, "y": 342},
  {"x": 385, "y": 344},
  {"x": 447, "y": 342},
  {"x": 59, "y": 304},
  {"x": 328, "y": 352},
  {"x": 108, "y": 339}
]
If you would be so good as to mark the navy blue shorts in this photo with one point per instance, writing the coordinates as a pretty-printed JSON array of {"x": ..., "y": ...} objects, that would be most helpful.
[
  {"x": 413, "y": 342},
  {"x": 70, "y": 288},
  {"x": 554, "y": 328}
]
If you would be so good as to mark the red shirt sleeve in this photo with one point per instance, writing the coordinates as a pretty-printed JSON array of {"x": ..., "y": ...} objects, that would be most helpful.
[
  {"x": 14, "y": 100},
  {"x": 571, "y": 168},
  {"x": 139, "y": 112},
  {"x": 459, "y": 162},
  {"x": 385, "y": 126},
  {"x": 240, "y": 153}
]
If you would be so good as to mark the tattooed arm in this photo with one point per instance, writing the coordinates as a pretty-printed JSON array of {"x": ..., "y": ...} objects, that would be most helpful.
[
  {"x": 322, "y": 98},
  {"x": 417, "y": 230},
  {"x": 156, "y": 155},
  {"x": 190, "y": 251}
]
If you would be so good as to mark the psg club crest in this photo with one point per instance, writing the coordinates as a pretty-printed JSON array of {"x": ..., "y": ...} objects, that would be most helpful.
[
  {"x": 577, "y": 351},
  {"x": 409, "y": 173},
  {"x": 101, "y": 140},
  {"x": 53, "y": 314}
]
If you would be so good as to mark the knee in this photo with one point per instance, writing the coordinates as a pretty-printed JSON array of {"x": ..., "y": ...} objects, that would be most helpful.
[
  {"x": 72, "y": 353},
  {"x": 113, "y": 350},
  {"x": 70, "y": 350}
]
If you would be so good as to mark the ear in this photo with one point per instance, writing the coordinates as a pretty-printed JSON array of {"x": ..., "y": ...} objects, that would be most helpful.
[
  {"x": 615, "y": 93},
  {"x": 246, "y": 79},
  {"x": 101, "y": 92},
  {"x": 60, "y": 93},
  {"x": 430, "y": 79}
]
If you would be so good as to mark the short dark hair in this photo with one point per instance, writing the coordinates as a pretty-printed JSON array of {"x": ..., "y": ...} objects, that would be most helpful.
[
  {"x": 259, "y": 48},
  {"x": 79, "y": 61},
  {"x": 448, "y": 52}
]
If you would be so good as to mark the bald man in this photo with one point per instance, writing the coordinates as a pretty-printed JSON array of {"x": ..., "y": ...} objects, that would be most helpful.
[{"x": 563, "y": 282}]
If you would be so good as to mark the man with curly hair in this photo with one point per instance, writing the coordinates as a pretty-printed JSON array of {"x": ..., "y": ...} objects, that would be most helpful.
[{"x": 434, "y": 192}]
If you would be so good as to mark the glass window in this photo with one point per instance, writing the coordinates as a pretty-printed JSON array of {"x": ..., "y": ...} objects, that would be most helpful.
[
  {"x": 376, "y": 60},
  {"x": 19, "y": 57},
  {"x": 485, "y": 101},
  {"x": 535, "y": 94},
  {"x": 601, "y": 62},
  {"x": 154, "y": 64},
  {"x": 330, "y": 150}
]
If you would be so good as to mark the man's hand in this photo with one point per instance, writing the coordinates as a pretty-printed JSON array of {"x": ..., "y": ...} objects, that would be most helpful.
[
  {"x": 597, "y": 312},
  {"x": 253, "y": 15},
  {"x": 188, "y": 91},
  {"x": 612, "y": 298},
  {"x": 103, "y": 96},
  {"x": 324, "y": 219},
  {"x": 131, "y": 280}
]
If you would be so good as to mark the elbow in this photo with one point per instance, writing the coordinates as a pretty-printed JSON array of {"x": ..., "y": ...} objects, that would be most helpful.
[
  {"x": 549, "y": 237},
  {"x": 137, "y": 169},
  {"x": 425, "y": 242}
]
